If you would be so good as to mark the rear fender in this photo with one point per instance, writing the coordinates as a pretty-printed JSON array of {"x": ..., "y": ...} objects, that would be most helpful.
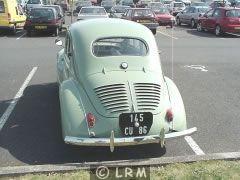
[{"x": 179, "y": 119}]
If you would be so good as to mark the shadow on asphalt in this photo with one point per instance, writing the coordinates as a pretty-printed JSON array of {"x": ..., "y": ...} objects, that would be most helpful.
[{"x": 32, "y": 134}]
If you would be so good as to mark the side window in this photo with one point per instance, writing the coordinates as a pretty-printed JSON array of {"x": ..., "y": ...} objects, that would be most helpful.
[
  {"x": 129, "y": 13},
  {"x": 2, "y": 7},
  {"x": 209, "y": 13},
  {"x": 217, "y": 13}
]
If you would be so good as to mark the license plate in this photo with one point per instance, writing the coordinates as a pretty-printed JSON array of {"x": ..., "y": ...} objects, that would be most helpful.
[
  {"x": 237, "y": 28},
  {"x": 40, "y": 27},
  {"x": 135, "y": 124}
]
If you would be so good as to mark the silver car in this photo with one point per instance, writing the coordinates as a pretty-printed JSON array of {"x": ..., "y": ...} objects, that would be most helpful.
[
  {"x": 92, "y": 12},
  {"x": 190, "y": 15}
]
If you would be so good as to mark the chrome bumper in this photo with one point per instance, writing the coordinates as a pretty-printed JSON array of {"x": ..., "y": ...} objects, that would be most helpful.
[{"x": 127, "y": 141}]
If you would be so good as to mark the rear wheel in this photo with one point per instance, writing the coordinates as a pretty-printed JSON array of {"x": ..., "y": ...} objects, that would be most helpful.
[
  {"x": 154, "y": 31},
  {"x": 178, "y": 21},
  {"x": 199, "y": 26},
  {"x": 218, "y": 31},
  {"x": 193, "y": 23},
  {"x": 56, "y": 32}
]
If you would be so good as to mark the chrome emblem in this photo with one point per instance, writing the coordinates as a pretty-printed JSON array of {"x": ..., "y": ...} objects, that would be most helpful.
[{"x": 124, "y": 65}]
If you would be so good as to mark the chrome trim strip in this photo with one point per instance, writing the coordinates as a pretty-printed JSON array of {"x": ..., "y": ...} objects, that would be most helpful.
[{"x": 125, "y": 141}]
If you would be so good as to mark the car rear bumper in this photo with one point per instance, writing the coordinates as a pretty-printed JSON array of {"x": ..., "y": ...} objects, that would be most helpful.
[
  {"x": 150, "y": 25},
  {"x": 127, "y": 141}
]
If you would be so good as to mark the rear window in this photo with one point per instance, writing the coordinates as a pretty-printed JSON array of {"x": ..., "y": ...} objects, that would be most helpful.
[
  {"x": 34, "y": 2},
  {"x": 233, "y": 13},
  {"x": 42, "y": 13},
  {"x": 93, "y": 11},
  {"x": 143, "y": 12},
  {"x": 2, "y": 7},
  {"x": 119, "y": 47}
]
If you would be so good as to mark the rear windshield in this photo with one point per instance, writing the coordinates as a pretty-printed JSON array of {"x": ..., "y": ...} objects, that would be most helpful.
[
  {"x": 42, "y": 13},
  {"x": 233, "y": 13},
  {"x": 2, "y": 8},
  {"x": 143, "y": 12},
  {"x": 119, "y": 47},
  {"x": 92, "y": 11},
  {"x": 34, "y": 2}
]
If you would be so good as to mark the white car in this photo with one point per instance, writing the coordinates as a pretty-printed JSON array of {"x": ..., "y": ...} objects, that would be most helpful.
[
  {"x": 92, "y": 12},
  {"x": 176, "y": 7}
]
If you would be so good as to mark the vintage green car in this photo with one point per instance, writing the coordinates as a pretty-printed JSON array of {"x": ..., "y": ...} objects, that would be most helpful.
[{"x": 112, "y": 89}]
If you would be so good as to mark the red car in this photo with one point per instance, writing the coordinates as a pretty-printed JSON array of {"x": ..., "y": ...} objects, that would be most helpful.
[
  {"x": 163, "y": 17},
  {"x": 221, "y": 20}
]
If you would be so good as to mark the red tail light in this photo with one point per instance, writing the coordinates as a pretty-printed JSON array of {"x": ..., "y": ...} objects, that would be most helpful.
[
  {"x": 9, "y": 17},
  {"x": 169, "y": 115},
  {"x": 91, "y": 120}
]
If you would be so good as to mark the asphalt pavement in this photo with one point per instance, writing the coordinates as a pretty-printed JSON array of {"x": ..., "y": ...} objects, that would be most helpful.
[{"x": 205, "y": 68}]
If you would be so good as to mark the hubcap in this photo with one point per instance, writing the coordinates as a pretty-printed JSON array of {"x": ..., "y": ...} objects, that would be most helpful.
[
  {"x": 193, "y": 23},
  {"x": 199, "y": 27}
]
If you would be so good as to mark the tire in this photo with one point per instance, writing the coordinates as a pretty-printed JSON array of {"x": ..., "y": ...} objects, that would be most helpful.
[
  {"x": 218, "y": 31},
  {"x": 14, "y": 30},
  {"x": 193, "y": 24},
  {"x": 56, "y": 32},
  {"x": 199, "y": 27},
  {"x": 29, "y": 33},
  {"x": 154, "y": 31},
  {"x": 178, "y": 21}
]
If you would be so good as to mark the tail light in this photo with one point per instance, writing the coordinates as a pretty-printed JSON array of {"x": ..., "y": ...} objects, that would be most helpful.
[
  {"x": 91, "y": 120},
  {"x": 9, "y": 17},
  {"x": 169, "y": 115}
]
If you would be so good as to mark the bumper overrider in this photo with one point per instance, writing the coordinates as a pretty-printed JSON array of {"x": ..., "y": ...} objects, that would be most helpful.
[{"x": 127, "y": 141}]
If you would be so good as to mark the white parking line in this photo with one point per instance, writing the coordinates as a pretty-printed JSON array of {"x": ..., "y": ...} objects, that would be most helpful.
[
  {"x": 167, "y": 35},
  {"x": 21, "y": 36},
  {"x": 194, "y": 146},
  {"x": 15, "y": 100}
]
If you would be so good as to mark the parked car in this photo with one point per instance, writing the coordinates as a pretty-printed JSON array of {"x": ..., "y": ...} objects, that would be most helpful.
[
  {"x": 127, "y": 3},
  {"x": 60, "y": 14},
  {"x": 64, "y": 4},
  {"x": 217, "y": 3},
  {"x": 81, "y": 4},
  {"x": 144, "y": 16},
  {"x": 164, "y": 17},
  {"x": 221, "y": 20},
  {"x": 33, "y": 4},
  {"x": 190, "y": 15},
  {"x": 155, "y": 5},
  {"x": 167, "y": 3},
  {"x": 11, "y": 16},
  {"x": 107, "y": 5},
  {"x": 112, "y": 89},
  {"x": 118, "y": 10},
  {"x": 92, "y": 12},
  {"x": 22, "y": 3},
  {"x": 176, "y": 7},
  {"x": 42, "y": 19},
  {"x": 199, "y": 4}
]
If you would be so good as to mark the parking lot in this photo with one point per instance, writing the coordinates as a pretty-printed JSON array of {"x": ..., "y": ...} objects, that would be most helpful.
[{"x": 204, "y": 67}]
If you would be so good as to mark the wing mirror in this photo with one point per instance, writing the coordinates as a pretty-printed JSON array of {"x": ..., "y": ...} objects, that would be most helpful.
[{"x": 58, "y": 42}]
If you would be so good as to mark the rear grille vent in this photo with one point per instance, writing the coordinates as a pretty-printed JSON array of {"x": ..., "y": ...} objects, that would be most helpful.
[
  {"x": 147, "y": 95},
  {"x": 113, "y": 97}
]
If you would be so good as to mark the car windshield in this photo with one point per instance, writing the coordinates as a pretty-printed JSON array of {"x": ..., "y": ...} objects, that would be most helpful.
[
  {"x": 178, "y": 5},
  {"x": 100, "y": 11},
  {"x": 41, "y": 13},
  {"x": 233, "y": 13},
  {"x": 203, "y": 10},
  {"x": 162, "y": 11},
  {"x": 119, "y": 47},
  {"x": 143, "y": 12},
  {"x": 56, "y": 8},
  {"x": 34, "y": 2}
]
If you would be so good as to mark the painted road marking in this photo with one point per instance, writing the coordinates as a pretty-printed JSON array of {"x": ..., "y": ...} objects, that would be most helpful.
[
  {"x": 167, "y": 35},
  {"x": 21, "y": 36},
  {"x": 194, "y": 146},
  {"x": 198, "y": 67},
  {"x": 15, "y": 100}
]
